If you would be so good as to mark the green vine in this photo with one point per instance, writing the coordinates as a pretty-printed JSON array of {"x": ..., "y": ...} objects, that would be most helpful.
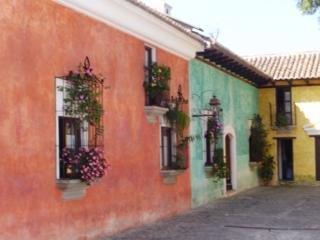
[
  {"x": 83, "y": 95},
  {"x": 179, "y": 120}
]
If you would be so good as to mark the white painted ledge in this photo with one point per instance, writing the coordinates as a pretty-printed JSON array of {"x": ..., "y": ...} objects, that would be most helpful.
[
  {"x": 170, "y": 176},
  {"x": 153, "y": 112},
  {"x": 72, "y": 189}
]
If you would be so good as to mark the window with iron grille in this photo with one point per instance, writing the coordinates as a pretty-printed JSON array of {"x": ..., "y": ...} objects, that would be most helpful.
[
  {"x": 209, "y": 148},
  {"x": 208, "y": 140},
  {"x": 148, "y": 62},
  {"x": 168, "y": 148},
  {"x": 70, "y": 136}
]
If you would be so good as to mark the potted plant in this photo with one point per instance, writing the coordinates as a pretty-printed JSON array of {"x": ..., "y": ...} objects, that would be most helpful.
[
  {"x": 266, "y": 169},
  {"x": 158, "y": 85}
]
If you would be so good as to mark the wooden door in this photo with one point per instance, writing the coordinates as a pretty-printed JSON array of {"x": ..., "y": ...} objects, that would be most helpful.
[{"x": 285, "y": 157}]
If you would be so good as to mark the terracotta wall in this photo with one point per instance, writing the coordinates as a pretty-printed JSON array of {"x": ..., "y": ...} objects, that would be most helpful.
[{"x": 40, "y": 40}]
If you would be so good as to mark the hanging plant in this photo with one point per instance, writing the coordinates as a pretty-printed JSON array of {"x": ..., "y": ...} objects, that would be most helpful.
[
  {"x": 215, "y": 126},
  {"x": 158, "y": 84},
  {"x": 82, "y": 95},
  {"x": 179, "y": 120}
]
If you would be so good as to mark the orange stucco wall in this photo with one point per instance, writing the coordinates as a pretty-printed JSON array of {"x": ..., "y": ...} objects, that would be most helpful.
[{"x": 40, "y": 40}]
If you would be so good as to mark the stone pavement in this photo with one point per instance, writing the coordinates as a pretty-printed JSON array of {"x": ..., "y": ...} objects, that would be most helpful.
[{"x": 265, "y": 213}]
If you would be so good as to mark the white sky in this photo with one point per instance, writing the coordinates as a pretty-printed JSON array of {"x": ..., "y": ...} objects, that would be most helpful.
[{"x": 250, "y": 27}]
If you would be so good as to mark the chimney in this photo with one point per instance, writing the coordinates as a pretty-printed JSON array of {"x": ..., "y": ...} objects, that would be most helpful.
[
  {"x": 159, "y": 5},
  {"x": 167, "y": 9}
]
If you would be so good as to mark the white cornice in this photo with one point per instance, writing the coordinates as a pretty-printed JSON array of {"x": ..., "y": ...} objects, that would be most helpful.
[{"x": 135, "y": 21}]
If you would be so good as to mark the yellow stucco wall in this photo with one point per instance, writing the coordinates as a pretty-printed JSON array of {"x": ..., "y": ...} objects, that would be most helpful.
[{"x": 303, "y": 145}]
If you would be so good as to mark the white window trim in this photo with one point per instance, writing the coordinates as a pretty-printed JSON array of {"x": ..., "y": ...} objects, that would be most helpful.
[
  {"x": 153, "y": 52},
  {"x": 59, "y": 82}
]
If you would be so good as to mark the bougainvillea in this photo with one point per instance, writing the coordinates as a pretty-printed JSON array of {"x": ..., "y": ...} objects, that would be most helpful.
[
  {"x": 86, "y": 164},
  {"x": 215, "y": 126}
]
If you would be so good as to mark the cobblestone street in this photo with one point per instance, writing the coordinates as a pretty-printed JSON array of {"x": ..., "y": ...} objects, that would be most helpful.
[{"x": 263, "y": 213}]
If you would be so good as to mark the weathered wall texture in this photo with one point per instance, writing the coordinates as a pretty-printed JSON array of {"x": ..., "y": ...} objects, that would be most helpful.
[
  {"x": 239, "y": 102},
  {"x": 40, "y": 40},
  {"x": 306, "y": 101}
]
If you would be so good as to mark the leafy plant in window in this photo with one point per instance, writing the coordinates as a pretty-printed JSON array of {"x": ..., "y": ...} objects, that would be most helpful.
[
  {"x": 282, "y": 120},
  {"x": 180, "y": 121},
  {"x": 83, "y": 100},
  {"x": 158, "y": 84}
]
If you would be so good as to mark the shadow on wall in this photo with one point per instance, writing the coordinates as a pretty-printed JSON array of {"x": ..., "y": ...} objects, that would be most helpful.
[{"x": 311, "y": 111}]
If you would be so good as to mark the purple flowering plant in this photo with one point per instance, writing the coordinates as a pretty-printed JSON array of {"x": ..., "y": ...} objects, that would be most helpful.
[
  {"x": 215, "y": 126},
  {"x": 88, "y": 164}
]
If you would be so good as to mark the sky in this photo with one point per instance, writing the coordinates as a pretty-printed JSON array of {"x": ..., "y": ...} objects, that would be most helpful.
[{"x": 252, "y": 27}]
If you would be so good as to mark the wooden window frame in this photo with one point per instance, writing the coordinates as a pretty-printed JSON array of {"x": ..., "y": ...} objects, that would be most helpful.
[
  {"x": 166, "y": 131},
  {"x": 74, "y": 122},
  {"x": 282, "y": 109},
  {"x": 149, "y": 59},
  {"x": 209, "y": 152}
]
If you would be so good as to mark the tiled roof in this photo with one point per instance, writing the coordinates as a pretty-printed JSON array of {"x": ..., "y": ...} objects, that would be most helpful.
[
  {"x": 222, "y": 57},
  {"x": 168, "y": 20},
  {"x": 305, "y": 65}
]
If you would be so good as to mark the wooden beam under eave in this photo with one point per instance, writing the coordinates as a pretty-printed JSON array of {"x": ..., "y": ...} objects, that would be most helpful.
[
  {"x": 307, "y": 81},
  {"x": 289, "y": 82},
  {"x": 230, "y": 61}
]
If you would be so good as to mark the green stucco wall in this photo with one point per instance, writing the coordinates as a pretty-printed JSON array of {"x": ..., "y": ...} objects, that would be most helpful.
[{"x": 239, "y": 101}]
